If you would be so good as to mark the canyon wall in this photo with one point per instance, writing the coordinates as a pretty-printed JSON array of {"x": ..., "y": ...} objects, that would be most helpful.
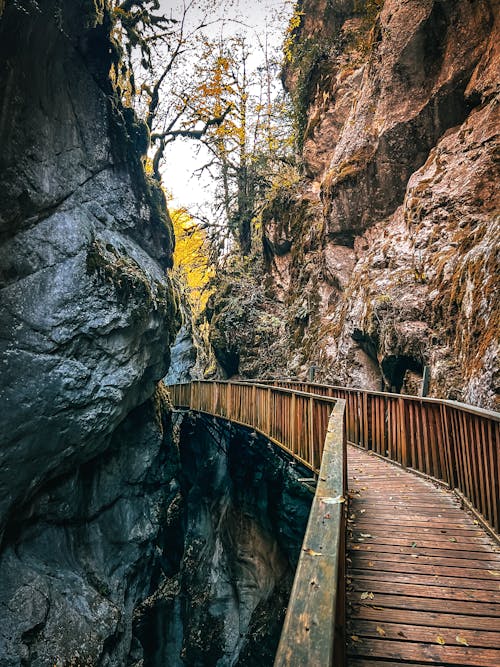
[
  {"x": 384, "y": 257},
  {"x": 124, "y": 540},
  {"x": 87, "y": 314}
]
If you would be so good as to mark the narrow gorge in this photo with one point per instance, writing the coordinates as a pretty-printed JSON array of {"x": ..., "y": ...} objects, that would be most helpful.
[
  {"x": 133, "y": 534},
  {"x": 104, "y": 503}
]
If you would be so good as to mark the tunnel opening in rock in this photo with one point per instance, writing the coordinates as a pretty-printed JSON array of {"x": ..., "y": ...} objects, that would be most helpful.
[
  {"x": 402, "y": 371},
  {"x": 231, "y": 541}
]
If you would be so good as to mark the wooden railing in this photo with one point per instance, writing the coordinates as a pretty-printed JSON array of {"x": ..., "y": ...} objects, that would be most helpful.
[
  {"x": 294, "y": 420},
  {"x": 312, "y": 429},
  {"x": 314, "y": 628},
  {"x": 452, "y": 442}
]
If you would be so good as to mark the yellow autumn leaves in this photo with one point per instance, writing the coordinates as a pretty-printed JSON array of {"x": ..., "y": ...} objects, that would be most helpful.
[{"x": 191, "y": 261}]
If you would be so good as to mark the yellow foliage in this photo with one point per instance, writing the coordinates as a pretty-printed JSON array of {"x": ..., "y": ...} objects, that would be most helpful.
[
  {"x": 291, "y": 32},
  {"x": 191, "y": 261}
]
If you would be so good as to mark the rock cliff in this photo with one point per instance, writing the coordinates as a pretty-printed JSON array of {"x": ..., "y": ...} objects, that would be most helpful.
[
  {"x": 384, "y": 257},
  {"x": 87, "y": 314}
]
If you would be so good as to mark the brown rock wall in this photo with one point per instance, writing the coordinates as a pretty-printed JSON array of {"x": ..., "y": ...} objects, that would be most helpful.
[{"x": 401, "y": 160}]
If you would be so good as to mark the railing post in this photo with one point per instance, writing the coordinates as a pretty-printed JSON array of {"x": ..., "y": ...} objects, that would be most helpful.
[
  {"x": 268, "y": 412},
  {"x": 253, "y": 407},
  {"x": 311, "y": 432},
  {"x": 229, "y": 400},
  {"x": 293, "y": 417},
  {"x": 215, "y": 398},
  {"x": 449, "y": 446},
  {"x": 402, "y": 428}
]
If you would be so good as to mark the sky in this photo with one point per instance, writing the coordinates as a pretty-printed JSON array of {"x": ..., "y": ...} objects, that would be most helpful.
[{"x": 250, "y": 17}]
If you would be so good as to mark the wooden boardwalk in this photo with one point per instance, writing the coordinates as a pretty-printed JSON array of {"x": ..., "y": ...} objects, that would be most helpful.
[{"x": 423, "y": 577}]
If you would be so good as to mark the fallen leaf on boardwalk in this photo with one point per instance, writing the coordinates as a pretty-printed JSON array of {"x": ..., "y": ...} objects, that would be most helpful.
[
  {"x": 365, "y": 534},
  {"x": 370, "y": 564},
  {"x": 327, "y": 500},
  {"x": 367, "y": 596},
  {"x": 362, "y": 511},
  {"x": 453, "y": 539},
  {"x": 327, "y": 516},
  {"x": 380, "y": 631},
  {"x": 356, "y": 546},
  {"x": 355, "y": 638},
  {"x": 414, "y": 555},
  {"x": 440, "y": 640},
  {"x": 311, "y": 552},
  {"x": 413, "y": 545},
  {"x": 401, "y": 634},
  {"x": 495, "y": 573},
  {"x": 461, "y": 640}
]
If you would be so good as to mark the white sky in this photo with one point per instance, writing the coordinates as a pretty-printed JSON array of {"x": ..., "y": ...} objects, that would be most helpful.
[{"x": 181, "y": 159}]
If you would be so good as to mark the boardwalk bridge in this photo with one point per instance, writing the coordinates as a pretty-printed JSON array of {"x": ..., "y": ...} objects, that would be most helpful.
[{"x": 400, "y": 561}]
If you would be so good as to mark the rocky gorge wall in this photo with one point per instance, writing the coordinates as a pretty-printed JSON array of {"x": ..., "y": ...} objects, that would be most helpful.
[
  {"x": 397, "y": 221},
  {"x": 87, "y": 314},
  {"x": 124, "y": 539},
  {"x": 383, "y": 259},
  {"x": 232, "y": 536}
]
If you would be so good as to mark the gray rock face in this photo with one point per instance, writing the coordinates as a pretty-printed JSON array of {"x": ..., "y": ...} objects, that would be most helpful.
[
  {"x": 188, "y": 354},
  {"x": 87, "y": 313},
  {"x": 183, "y": 357},
  {"x": 81, "y": 555}
]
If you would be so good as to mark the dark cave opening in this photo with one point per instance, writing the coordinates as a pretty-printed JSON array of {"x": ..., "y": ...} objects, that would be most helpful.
[{"x": 395, "y": 368}]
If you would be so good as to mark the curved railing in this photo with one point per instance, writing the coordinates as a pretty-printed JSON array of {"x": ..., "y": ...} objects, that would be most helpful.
[
  {"x": 312, "y": 429},
  {"x": 292, "y": 419},
  {"x": 452, "y": 442}
]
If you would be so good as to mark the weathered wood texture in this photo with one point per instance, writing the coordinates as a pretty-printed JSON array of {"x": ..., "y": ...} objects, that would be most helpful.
[
  {"x": 452, "y": 442},
  {"x": 423, "y": 577},
  {"x": 318, "y": 593}
]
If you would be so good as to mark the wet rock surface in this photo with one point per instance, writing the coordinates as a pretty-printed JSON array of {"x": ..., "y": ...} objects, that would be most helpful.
[
  {"x": 80, "y": 557},
  {"x": 237, "y": 525},
  {"x": 87, "y": 314}
]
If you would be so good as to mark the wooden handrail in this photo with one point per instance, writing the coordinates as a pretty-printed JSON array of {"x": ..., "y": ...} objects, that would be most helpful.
[
  {"x": 451, "y": 442},
  {"x": 314, "y": 628},
  {"x": 294, "y": 420},
  {"x": 312, "y": 429}
]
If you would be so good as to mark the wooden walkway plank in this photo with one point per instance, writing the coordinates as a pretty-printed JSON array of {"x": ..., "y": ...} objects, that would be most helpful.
[
  {"x": 423, "y": 577},
  {"x": 427, "y": 579},
  {"x": 425, "y": 618},
  {"x": 423, "y": 634},
  {"x": 375, "y": 564}
]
